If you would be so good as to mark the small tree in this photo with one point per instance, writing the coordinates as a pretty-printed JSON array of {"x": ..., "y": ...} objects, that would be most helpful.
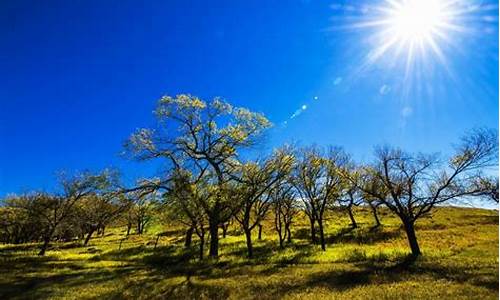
[
  {"x": 97, "y": 211},
  {"x": 55, "y": 209},
  {"x": 352, "y": 194},
  {"x": 285, "y": 209},
  {"x": 253, "y": 191},
  {"x": 318, "y": 180},
  {"x": 18, "y": 221},
  {"x": 185, "y": 198}
]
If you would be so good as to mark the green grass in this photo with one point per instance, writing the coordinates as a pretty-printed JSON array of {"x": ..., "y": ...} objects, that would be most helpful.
[{"x": 460, "y": 261}]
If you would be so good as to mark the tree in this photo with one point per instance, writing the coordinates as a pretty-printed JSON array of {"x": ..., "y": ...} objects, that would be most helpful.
[
  {"x": 202, "y": 138},
  {"x": 18, "y": 223},
  {"x": 487, "y": 187},
  {"x": 97, "y": 211},
  {"x": 55, "y": 209},
  {"x": 253, "y": 191},
  {"x": 285, "y": 209},
  {"x": 186, "y": 199},
  {"x": 411, "y": 185},
  {"x": 142, "y": 210},
  {"x": 318, "y": 180},
  {"x": 366, "y": 184},
  {"x": 352, "y": 196},
  {"x": 374, "y": 205}
]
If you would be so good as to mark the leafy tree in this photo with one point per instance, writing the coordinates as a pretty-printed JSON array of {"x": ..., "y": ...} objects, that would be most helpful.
[
  {"x": 285, "y": 209},
  {"x": 253, "y": 191},
  {"x": 18, "y": 223},
  {"x": 318, "y": 180},
  {"x": 201, "y": 137},
  {"x": 186, "y": 199},
  {"x": 53, "y": 210},
  {"x": 97, "y": 211}
]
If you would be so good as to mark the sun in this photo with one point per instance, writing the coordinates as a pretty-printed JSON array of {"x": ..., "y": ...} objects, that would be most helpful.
[
  {"x": 416, "y": 20},
  {"x": 412, "y": 29}
]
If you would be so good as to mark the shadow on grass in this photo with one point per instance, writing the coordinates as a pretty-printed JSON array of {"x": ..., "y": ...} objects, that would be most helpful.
[
  {"x": 23, "y": 286},
  {"x": 174, "y": 261},
  {"x": 370, "y": 272},
  {"x": 363, "y": 236}
]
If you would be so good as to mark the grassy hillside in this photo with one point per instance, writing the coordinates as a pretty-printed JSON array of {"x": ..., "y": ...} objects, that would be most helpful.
[{"x": 460, "y": 261}]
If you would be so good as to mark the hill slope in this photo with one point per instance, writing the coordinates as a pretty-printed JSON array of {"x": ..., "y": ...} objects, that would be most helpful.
[{"x": 460, "y": 261}]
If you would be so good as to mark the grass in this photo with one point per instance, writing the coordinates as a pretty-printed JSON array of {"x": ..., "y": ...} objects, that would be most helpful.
[{"x": 460, "y": 261}]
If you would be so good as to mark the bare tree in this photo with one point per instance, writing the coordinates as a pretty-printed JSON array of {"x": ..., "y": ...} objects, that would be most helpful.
[
  {"x": 487, "y": 187},
  {"x": 352, "y": 195},
  {"x": 416, "y": 183}
]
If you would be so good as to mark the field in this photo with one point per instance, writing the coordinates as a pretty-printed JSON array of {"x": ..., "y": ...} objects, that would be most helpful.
[{"x": 460, "y": 261}]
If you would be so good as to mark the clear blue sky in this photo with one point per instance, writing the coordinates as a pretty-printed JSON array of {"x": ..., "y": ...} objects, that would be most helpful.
[{"x": 77, "y": 77}]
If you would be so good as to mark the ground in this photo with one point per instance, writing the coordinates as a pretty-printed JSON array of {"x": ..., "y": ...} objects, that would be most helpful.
[{"x": 460, "y": 261}]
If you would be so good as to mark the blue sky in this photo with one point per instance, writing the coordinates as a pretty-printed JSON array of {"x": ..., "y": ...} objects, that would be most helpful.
[{"x": 78, "y": 77}]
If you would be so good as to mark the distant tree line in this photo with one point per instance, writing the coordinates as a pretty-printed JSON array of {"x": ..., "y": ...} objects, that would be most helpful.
[{"x": 208, "y": 184}]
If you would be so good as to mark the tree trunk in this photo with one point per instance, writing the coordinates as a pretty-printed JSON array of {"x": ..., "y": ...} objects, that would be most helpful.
[
  {"x": 351, "y": 216},
  {"x": 321, "y": 234},
  {"x": 289, "y": 233},
  {"x": 224, "y": 230},
  {"x": 121, "y": 241},
  {"x": 278, "y": 225},
  {"x": 375, "y": 215},
  {"x": 189, "y": 237},
  {"x": 214, "y": 239},
  {"x": 412, "y": 237},
  {"x": 313, "y": 231},
  {"x": 202, "y": 245},
  {"x": 129, "y": 226},
  {"x": 89, "y": 234},
  {"x": 46, "y": 241},
  {"x": 156, "y": 242},
  {"x": 248, "y": 235},
  {"x": 260, "y": 232},
  {"x": 139, "y": 228}
]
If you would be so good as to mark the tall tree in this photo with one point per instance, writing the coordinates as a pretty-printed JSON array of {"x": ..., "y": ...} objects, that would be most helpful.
[{"x": 202, "y": 137}]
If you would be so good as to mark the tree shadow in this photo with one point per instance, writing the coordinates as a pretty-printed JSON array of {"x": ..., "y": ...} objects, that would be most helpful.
[{"x": 363, "y": 236}]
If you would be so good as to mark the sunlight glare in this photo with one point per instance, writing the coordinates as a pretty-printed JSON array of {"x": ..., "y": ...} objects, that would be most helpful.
[
  {"x": 412, "y": 29},
  {"x": 416, "y": 19}
]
